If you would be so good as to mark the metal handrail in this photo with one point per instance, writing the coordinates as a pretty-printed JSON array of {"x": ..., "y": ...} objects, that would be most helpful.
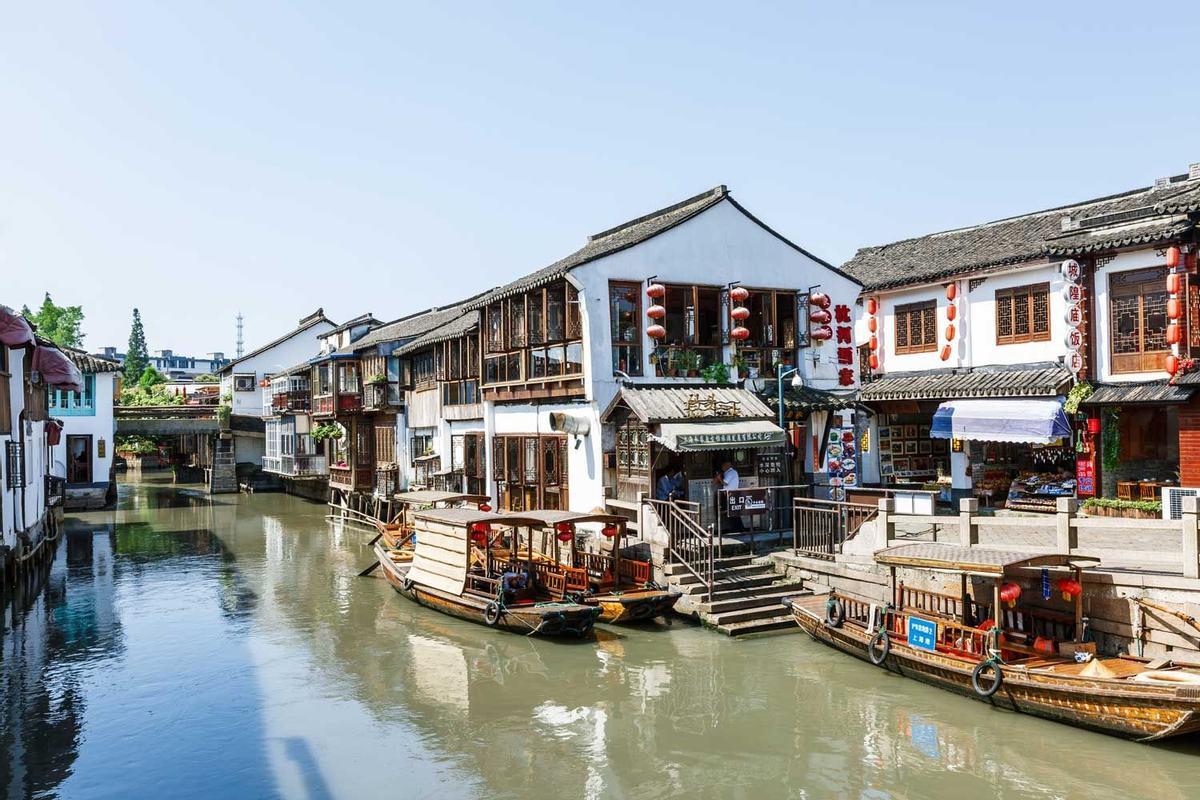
[
  {"x": 688, "y": 543},
  {"x": 827, "y": 524}
]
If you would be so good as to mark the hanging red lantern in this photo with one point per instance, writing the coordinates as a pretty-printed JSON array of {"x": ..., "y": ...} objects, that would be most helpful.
[
  {"x": 655, "y": 291},
  {"x": 823, "y": 333},
  {"x": 951, "y": 312},
  {"x": 873, "y": 361},
  {"x": 1070, "y": 588},
  {"x": 739, "y": 333},
  {"x": 1010, "y": 593},
  {"x": 946, "y": 353},
  {"x": 873, "y": 343},
  {"x": 950, "y": 332},
  {"x": 479, "y": 533},
  {"x": 484, "y": 507},
  {"x": 951, "y": 291},
  {"x": 610, "y": 530},
  {"x": 564, "y": 532},
  {"x": 1172, "y": 364},
  {"x": 820, "y": 316},
  {"x": 1174, "y": 333},
  {"x": 819, "y": 299},
  {"x": 656, "y": 312},
  {"x": 872, "y": 325},
  {"x": 1093, "y": 425},
  {"x": 656, "y": 331},
  {"x": 1173, "y": 256},
  {"x": 1174, "y": 308},
  {"x": 738, "y": 294},
  {"x": 1174, "y": 283},
  {"x": 740, "y": 313},
  {"x": 872, "y": 306}
]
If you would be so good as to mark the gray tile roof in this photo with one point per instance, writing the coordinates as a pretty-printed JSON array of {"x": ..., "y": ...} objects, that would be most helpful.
[
  {"x": 1133, "y": 393},
  {"x": 1144, "y": 215},
  {"x": 660, "y": 403},
  {"x": 1041, "y": 381},
  {"x": 463, "y": 324},
  {"x": 798, "y": 402},
  {"x": 90, "y": 363}
]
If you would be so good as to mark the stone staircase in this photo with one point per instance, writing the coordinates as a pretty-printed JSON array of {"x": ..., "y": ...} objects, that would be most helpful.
[{"x": 747, "y": 596}]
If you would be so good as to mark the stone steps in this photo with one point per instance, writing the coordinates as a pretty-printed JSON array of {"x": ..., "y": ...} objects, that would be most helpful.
[
  {"x": 781, "y": 623},
  {"x": 747, "y": 596},
  {"x": 727, "y": 574},
  {"x": 750, "y": 598}
]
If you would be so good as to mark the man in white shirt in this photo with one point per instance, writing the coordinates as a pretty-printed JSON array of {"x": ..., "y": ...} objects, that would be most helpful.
[{"x": 728, "y": 479}]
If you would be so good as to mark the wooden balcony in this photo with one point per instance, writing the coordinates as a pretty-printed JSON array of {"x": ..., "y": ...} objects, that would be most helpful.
[
  {"x": 323, "y": 406},
  {"x": 351, "y": 478},
  {"x": 291, "y": 402},
  {"x": 378, "y": 396}
]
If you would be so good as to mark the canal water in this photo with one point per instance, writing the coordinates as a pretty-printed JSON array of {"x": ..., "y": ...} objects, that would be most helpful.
[{"x": 193, "y": 647}]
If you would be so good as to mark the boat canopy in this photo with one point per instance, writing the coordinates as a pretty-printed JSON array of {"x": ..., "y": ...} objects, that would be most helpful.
[
  {"x": 549, "y": 518},
  {"x": 1036, "y": 421},
  {"x": 442, "y": 551},
  {"x": 953, "y": 558},
  {"x": 436, "y": 496},
  {"x": 462, "y": 517}
]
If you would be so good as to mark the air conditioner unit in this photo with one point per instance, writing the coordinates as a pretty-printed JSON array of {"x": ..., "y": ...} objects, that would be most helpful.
[{"x": 1172, "y": 500}]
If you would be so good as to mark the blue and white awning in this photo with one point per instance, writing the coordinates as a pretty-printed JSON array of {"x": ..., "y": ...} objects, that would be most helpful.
[{"x": 1028, "y": 421}]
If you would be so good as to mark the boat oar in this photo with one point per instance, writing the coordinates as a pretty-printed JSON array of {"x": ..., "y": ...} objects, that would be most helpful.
[
  {"x": 369, "y": 570},
  {"x": 1188, "y": 618},
  {"x": 374, "y": 539}
]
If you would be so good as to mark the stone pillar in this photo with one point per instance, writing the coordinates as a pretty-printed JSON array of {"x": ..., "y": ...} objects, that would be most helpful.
[
  {"x": 224, "y": 466},
  {"x": 1191, "y": 542},
  {"x": 884, "y": 523},
  {"x": 1066, "y": 538},
  {"x": 968, "y": 531}
]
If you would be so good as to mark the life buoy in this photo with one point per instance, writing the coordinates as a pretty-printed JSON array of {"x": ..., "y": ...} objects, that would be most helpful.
[
  {"x": 835, "y": 613},
  {"x": 986, "y": 690},
  {"x": 491, "y": 613},
  {"x": 878, "y": 656},
  {"x": 1164, "y": 677}
]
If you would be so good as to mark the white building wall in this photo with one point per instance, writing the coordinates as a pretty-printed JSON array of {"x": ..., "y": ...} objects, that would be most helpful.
[
  {"x": 100, "y": 426},
  {"x": 23, "y": 508},
  {"x": 585, "y": 479},
  {"x": 288, "y": 353}
]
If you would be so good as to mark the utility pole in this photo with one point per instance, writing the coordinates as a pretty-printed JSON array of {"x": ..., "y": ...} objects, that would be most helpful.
[{"x": 239, "y": 335}]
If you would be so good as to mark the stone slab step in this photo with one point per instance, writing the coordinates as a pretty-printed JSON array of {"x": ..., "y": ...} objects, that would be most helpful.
[
  {"x": 783, "y": 623},
  {"x": 719, "y": 563},
  {"x": 727, "y": 573},
  {"x": 774, "y": 595},
  {"x": 766, "y": 609},
  {"x": 739, "y": 583}
]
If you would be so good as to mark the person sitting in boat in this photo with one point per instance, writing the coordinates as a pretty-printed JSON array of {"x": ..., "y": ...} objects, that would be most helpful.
[{"x": 513, "y": 582}]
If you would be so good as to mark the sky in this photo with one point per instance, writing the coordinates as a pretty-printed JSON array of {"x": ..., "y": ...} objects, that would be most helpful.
[{"x": 199, "y": 159}]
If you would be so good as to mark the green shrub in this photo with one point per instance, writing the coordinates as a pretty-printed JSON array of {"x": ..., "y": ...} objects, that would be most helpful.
[{"x": 1151, "y": 506}]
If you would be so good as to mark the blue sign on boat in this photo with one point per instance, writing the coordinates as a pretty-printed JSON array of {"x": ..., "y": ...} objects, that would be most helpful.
[{"x": 922, "y": 633}]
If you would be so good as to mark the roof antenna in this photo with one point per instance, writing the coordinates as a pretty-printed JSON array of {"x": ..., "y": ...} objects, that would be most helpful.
[{"x": 240, "y": 341}]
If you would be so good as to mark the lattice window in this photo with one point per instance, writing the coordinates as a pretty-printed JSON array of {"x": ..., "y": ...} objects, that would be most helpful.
[
  {"x": 916, "y": 327},
  {"x": 1023, "y": 314},
  {"x": 633, "y": 449},
  {"x": 1138, "y": 320},
  {"x": 15, "y": 468}
]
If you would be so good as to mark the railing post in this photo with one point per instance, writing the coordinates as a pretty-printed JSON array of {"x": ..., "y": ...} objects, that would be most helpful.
[
  {"x": 1191, "y": 544},
  {"x": 1066, "y": 540},
  {"x": 710, "y": 563},
  {"x": 968, "y": 532},
  {"x": 885, "y": 525}
]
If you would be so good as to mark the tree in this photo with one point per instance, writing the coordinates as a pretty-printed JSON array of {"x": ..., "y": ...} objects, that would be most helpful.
[
  {"x": 136, "y": 357},
  {"x": 151, "y": 377},
  {"x": 60, "y": 324},
  {"x": 207, "y": 377}
]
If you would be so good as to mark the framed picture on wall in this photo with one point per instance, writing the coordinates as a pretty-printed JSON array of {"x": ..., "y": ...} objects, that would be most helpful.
[
  {"x": 924, "y": 432},
  {"x": 885, "y": 433},
  {"x": 886, "y": 469},
  {"x": 926, "y": 446},
  {"x": 941, "y": 446},
  {"x": 883, "y": 420},
  {"x": 901, "y": 464},
  {"x": 897, "y": 448},
  {"x": 910, "y": 447},
  {"x": 910, "y": 431}
]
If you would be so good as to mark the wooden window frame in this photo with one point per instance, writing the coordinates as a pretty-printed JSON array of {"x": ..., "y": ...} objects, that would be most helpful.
[
  {"x": 1008, "y": 297},
  {"x": 514, "y": 365},
  {"x": 633, "y": 348},
  {"x": 5, "y": 392},
  {"x": 1141, "y": 360},
  {"x": 906, "y": 312},
  {"x": 526, "y": 481}
]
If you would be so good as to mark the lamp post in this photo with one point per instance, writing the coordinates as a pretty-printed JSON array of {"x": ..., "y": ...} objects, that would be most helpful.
[{"x": 797, "y": 383}]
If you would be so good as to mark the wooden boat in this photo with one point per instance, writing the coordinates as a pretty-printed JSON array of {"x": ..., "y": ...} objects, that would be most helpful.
[
  {"x": 456, "y": 568},
  {"x": 396, "y": 533},
  {"x": 622, "y": 588},
  {"x": 1018, "y": 657}
]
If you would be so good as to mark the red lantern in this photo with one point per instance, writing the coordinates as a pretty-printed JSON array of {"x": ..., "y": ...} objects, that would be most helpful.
[
  {"x": 1174, "y": 308},
  {"x": 739, "y": 334},
  {"x": 740, "y": 313},
  {"x": 820, "y": 316},
  {"x": 1172, "y": 365},
  {"x": 610, "y": 530},
  {"x": 872, "y": 325},
  {"x": 738, "y": 294},
  {"x": 872, "y": 306},
  {"x": 656, "y": 312},
  {"x": 484, "y": 507},
  {"x": 819, "y": 299},
  {"x": 1070, "y": 588},
  {"x": 656, "y": 290},
  {"x": 873, "y": 343},
  {"x": 1010, "y": 593},
  {"x": 1174, "y": 333},
  {"x": 950, "y": 332},
  {"x": 1174, "y": 283},
  {"x": 1093, "y": 425},
  {"x": 951, "y": 291},
  {"x": 656, "y": 331},
  {"x": 945, "y": 353},
  {"x": 823, "y": 333},
  {"x": 951, "y": 312},
  {"x": 564, "y": 532},
  {"x": 1172, "y": 256},
  {"x": 873, "y": 361},
  {"x": 479, "y": 533}
]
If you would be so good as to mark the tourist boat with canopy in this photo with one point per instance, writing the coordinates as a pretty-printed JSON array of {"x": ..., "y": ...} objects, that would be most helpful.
[
  {"x": 622, "y": 588},
  {"x": 1028, "y": 657},
  {"x": 464, "y": 564},
  {"x": 396, "y": 533}
]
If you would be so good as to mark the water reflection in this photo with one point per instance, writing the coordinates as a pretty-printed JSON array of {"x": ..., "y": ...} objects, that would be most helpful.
[{"x": 227, "y": 649}]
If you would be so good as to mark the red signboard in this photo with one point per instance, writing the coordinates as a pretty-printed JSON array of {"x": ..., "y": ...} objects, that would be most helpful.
[{"x": 1085, "y": 475}]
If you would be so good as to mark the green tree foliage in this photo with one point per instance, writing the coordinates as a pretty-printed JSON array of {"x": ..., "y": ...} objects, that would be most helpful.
[
  {"x": 153, "y": 396},
  {"x": 136, "y": 357},
  {"x": 207, "y": 377},
  {"x": 60, "y": 324},
  {"x": 151, "y": 377}
]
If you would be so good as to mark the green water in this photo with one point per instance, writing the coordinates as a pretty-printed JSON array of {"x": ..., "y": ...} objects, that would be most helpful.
[{"x": 187, "y": 647}]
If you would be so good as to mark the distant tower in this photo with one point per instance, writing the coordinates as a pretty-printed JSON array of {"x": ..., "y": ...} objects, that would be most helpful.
[{"x": 239, "y": 339}]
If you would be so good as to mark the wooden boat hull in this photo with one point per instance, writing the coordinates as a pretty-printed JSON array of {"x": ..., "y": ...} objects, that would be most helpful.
[
  {"x": 547, "y": 619},
  {"x": 1133, "y": 711},
  {"x": 632, "y": 606}
]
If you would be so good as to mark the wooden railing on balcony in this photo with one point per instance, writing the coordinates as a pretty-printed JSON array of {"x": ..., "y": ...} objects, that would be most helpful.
[
  {"x": 291, "y": 401},
  {"x": 350, "y": 478},
  {"x": 322, "y": 405},
  {"x": 378, "y": 395}
]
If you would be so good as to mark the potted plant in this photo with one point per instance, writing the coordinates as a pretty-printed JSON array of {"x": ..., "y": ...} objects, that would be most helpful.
[
  {"x": 670, "y": 368},
  {"x": 377, "y": 379},
  {"x": 717, "y": 372},
  {"x": 689, "y": 362}
]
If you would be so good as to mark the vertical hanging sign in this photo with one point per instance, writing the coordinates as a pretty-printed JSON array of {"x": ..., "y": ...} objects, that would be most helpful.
[{"x": 1073, "y": 296}]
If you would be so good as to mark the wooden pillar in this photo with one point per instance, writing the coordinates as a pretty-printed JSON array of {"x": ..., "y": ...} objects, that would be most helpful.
[
  {"x": 1079, "y": 605},
  {"x": 997, "y": 613},
  {"x": 963, "y": 595},
  {"x": 616, "y": 545}
]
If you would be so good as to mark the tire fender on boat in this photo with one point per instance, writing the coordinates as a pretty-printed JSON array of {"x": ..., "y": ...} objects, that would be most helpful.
[
  {"x": 878, "y": 656},
  {"x": 977, "y": 679},
  {"x": 835, "y": 613},
  {"x": 491, "y": 613}
]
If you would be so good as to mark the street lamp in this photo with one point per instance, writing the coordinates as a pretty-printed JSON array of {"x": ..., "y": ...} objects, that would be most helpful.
[{"x": 797, "y": 383}]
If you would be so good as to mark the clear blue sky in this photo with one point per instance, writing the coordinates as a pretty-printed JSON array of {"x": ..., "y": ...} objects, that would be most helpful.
[{"x": 199, "y": 159}]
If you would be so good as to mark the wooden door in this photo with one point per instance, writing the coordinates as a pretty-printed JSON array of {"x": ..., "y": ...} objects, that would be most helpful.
[{"x": 79, "y": 459}]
